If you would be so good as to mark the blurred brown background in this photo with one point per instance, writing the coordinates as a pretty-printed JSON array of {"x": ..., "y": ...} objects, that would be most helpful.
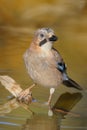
[{"x": 20, "y": 18}]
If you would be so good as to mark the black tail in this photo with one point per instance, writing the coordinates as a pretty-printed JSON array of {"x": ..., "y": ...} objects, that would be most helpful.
[{"x": 70, "y": 83}]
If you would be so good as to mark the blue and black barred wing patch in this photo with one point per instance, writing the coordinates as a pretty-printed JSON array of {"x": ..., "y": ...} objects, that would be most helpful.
[{"x": 61, "y": 67}]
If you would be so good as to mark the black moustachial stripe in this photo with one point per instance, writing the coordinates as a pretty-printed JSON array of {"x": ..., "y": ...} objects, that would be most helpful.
[{"x": 42, "y": 42}]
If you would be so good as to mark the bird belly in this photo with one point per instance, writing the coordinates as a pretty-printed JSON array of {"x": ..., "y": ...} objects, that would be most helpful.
[{"x": 45, "y": 77}]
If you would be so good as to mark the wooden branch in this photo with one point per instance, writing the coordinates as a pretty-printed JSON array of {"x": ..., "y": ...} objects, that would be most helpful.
[
  {"x": 14, "y": 88},
  {"x": 11, "y": 85}
]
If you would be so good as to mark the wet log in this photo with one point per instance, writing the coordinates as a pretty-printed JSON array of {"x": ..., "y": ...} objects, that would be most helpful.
[{"x": 15, "y": 89}]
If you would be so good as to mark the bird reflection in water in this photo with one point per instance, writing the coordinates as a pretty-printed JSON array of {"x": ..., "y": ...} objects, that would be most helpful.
[
  {"x": 63, "y": 105},
  {"x": 61, "y": 108}
]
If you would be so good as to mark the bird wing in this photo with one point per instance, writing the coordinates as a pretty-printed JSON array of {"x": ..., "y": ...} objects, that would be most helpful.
[{"x": 60, "y": 64}]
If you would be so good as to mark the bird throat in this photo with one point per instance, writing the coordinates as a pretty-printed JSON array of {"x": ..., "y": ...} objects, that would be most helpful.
[{"x": 47, "y": 46}]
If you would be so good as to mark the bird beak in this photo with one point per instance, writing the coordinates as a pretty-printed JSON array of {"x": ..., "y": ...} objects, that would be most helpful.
[{"x": 53, "y": 38}]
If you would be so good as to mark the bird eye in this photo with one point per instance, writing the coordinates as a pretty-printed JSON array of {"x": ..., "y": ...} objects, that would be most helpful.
[{"x": 41, "y": 35}]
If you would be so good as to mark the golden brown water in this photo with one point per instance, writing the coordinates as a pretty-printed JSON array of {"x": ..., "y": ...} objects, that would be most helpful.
[{"x": 18, "y": 21}]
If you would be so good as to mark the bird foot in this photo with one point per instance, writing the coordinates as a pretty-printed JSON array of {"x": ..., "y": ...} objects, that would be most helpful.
[{"x": 26, "y": 95}]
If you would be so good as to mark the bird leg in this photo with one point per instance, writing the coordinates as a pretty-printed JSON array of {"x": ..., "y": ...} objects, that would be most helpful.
[
  {"x": 50, "y": 112},
  {"x": 26, "y": 95},
  {"x": 52, "y": 90}
]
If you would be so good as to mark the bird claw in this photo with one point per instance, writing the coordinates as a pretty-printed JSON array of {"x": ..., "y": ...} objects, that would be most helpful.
[{"x": 25, "y": 97}]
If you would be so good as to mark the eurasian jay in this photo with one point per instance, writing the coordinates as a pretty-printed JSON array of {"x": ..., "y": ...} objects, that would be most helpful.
[{"x": 45, "y": 64}]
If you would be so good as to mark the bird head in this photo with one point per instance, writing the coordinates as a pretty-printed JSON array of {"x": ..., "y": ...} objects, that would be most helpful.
[{"x": 44, "y": 38}]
